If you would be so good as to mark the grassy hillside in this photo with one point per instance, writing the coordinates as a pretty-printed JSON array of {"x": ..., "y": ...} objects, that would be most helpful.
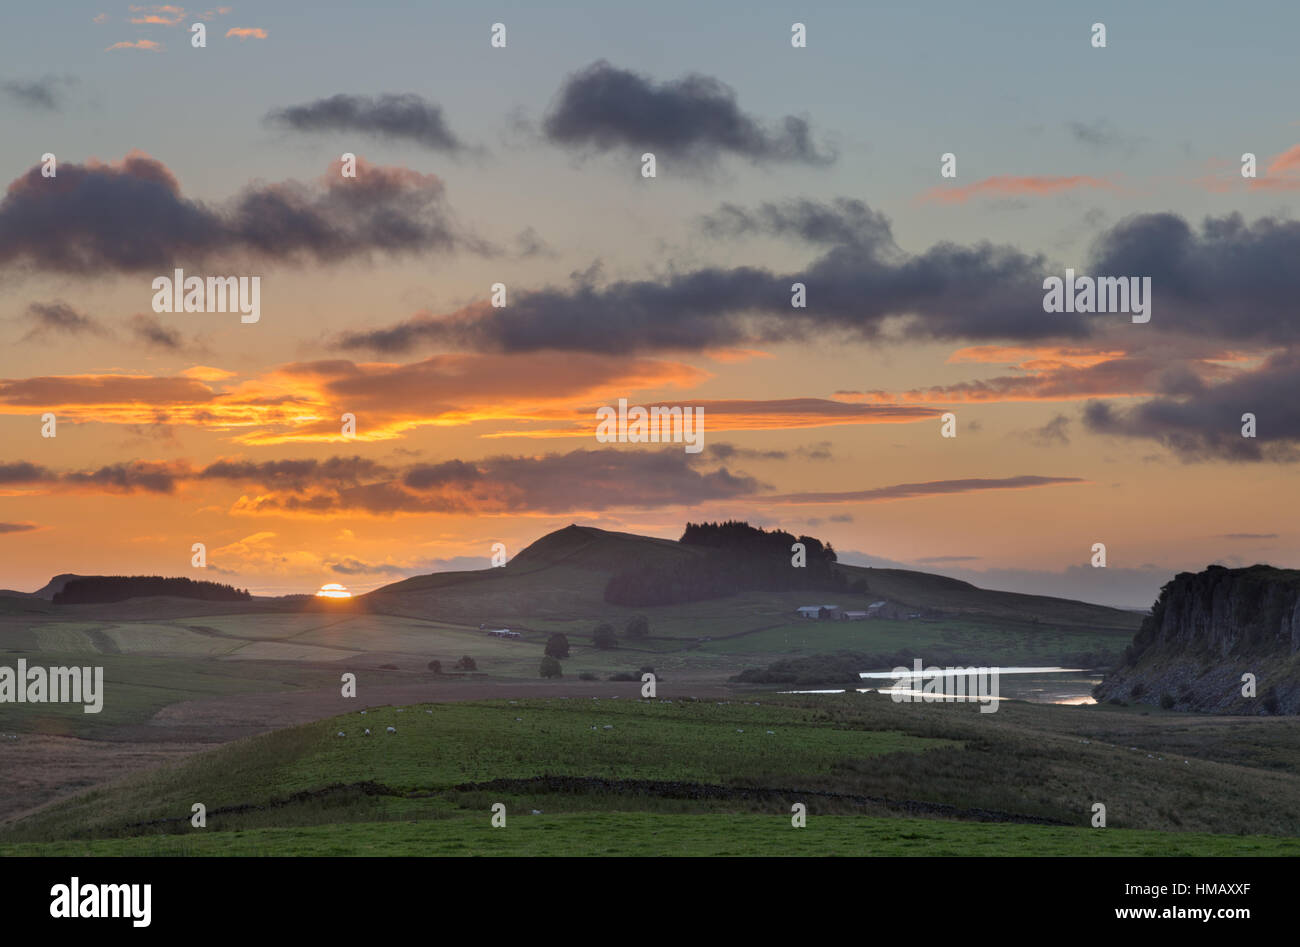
[
  {"x": 719, "y": 777},
  {"x": 560, "y": 579}
]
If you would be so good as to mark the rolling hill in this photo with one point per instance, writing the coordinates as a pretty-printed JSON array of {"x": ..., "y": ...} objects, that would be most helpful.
[{"x": 563, "y": 575}]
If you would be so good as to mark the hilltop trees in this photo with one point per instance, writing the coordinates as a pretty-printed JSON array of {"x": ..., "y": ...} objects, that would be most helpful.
[
  {"x": 119, "y": 588},
  {"x": 737, "y": 557}
]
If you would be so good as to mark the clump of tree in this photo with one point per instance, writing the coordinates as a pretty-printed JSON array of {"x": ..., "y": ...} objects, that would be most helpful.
[
  {"x": 98, "y": 589},
  {"x": 638, "y": 626},
  {"x": 550, "y": 668},
  {"x": 557, "y": 646},
  {"x": 435, "y": 666},
  {"x": 738, "y": 558},
  {"x": 466, "y": 663},
  {"x": 603, "y": 636}
]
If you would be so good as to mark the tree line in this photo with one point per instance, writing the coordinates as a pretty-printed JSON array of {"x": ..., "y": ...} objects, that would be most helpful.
[
  {"x": 738, "y": 558},
  {"x": 97, "y": 589}
]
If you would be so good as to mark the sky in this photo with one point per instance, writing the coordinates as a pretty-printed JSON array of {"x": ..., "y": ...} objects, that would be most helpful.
[{"x": 522, "y": 165}]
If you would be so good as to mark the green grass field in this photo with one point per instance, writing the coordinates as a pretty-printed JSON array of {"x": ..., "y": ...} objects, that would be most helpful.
[
  {"x": 639, "y": 834},
  {"x": 707, "y": 777}
]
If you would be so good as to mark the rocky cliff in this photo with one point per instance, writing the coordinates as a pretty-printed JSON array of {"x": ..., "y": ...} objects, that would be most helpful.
[{"x": 1205, "y": 632}]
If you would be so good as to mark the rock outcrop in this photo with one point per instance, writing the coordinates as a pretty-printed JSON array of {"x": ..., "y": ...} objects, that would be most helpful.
[{"x": 1205, "y": 632}]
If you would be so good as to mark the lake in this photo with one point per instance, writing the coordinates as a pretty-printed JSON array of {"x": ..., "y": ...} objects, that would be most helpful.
[{"x": 1043, "y": 685}]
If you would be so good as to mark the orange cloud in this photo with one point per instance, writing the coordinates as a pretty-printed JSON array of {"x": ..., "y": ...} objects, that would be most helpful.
[
  {"x": 246, "y": 32},
  {"x": 744, "y": 415},
  {"x": 305, "y": 401},
  {"x": 1013, "y": 186},
  {"x": 1065, "y": 375},
  {"x": 138, "y": 44}
]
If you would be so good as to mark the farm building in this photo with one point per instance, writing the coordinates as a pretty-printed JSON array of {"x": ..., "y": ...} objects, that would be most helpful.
[
  {"x": 818, "y": 611},
  {"x": 854, "y": 616},
  {"x": 503, "y": 633}
]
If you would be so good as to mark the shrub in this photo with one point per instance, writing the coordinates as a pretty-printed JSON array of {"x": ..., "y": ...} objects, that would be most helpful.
[
  {"x": 1167, "y": 701},
  {"x": 435, "y": 667},
  {"x": 603, "y": 636},
  {"x": 638, "y": 626},
  {"x": 587, "y": 676},
  {"x": 466, "y": 663},
  {"x": 550, "y": 667}
]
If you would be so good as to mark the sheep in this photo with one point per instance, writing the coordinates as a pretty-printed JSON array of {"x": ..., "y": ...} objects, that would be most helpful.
[
  {"x": 367, "y": 733},
  {"x": 342, "y": 734},
  {"x": 609, "y": 726},
  {"x": 392, "y": 729}
]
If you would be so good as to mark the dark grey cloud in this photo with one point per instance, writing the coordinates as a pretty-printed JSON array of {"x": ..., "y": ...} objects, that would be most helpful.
[
  {"x": 1247, "y": 536},
  {"x": 695, "y": 119},
  {"x": 353, "y": 566},
  {"x": 1207, "y": 424},
  {"x": 21, "y": 471},
  {"x": 553, "y": 483},
  {"x": 18, "y": 527},
  {"x": 46, "y": 95},
  {"x": 131, "y": 477},
  {"x": 298, "y": 474},
  {"x": 1054, "y": 433},
  {"x": 723, "y": 450},
  {"x": 1102, "y": 135},
  {"x": 407, "y": 117},
  {"x": 131, "y": 217},
  {"x": 907, "y": 491},
  {"x": 843, "y": 222},
  {"x": 1227, "y": 279},
  {"x": 59, "y": 318},
  {"x": 861, "y": 279},
  {"x": 151, "y": 331}
]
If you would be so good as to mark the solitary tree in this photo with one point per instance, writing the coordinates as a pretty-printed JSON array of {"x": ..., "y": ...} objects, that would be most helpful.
[
  {"x": 638, "y": 626},
  {"x": 550, "y": 667},
  {"x": 435, "y": 666},
  {"x": 557, "y": 646},
  {"x": 603, "y": 636},
  {"x": 466, "y": 663}
]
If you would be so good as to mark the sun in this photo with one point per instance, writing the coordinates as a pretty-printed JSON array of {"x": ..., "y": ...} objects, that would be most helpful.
[{"x": 333, "y": 590}]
